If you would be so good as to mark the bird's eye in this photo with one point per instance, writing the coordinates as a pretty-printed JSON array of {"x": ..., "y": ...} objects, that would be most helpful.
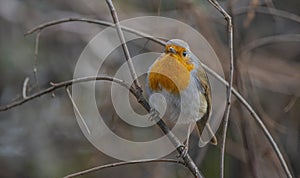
[{"x": 184, "y": 53}]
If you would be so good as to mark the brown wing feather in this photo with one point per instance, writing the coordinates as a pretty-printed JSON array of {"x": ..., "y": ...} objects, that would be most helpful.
[{"x": 204, "y": 82}]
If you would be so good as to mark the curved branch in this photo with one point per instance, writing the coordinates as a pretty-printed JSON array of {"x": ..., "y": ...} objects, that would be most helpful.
[
  {"x": 269, "y": 11},
  {"x": 65, "y": 84},
  {"x": 92, "y": 21},
  {"x": 123, "y": 164},
  {"x": 269, "y": 40}
]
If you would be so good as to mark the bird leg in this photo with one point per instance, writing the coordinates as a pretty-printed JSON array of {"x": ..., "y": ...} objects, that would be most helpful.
[{"x": 186, "y": 144}]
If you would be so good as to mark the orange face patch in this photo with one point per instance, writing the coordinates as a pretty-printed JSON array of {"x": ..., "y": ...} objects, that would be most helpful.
[{"x": 172, "y": 71}]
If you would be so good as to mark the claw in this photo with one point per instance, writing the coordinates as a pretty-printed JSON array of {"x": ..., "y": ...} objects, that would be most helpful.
[
  {"x": 184, "y": 152},
  {"x": 153, "y": 114}
]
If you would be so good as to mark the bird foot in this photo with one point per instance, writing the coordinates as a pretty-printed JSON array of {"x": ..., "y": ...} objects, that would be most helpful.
[
  {"x": 153, "y": 114},
  {"x": 184, "y": 151}
]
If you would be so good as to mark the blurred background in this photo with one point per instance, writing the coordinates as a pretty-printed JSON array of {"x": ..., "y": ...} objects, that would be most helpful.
[{"x": 41, "y": 138}]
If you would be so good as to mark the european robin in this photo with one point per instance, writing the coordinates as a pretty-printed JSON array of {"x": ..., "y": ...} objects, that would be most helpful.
[{"x": 184, "y": 84}]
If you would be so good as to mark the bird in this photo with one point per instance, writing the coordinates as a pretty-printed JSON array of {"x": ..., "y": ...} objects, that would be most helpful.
[{"x": 181, "y": 80}]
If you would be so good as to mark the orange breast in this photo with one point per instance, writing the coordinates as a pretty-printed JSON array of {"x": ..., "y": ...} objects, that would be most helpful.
[{"x": 170, "y": 74}]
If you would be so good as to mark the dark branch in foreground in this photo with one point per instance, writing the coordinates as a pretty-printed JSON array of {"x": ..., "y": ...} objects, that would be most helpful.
[{"x": 141, "y": 99}]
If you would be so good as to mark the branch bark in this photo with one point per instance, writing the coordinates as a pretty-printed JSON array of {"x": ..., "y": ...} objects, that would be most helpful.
[
  {"x": 64, "y": 84},
  {"x": 230, "y": 81},
  {"x": 141, "y": 99}
]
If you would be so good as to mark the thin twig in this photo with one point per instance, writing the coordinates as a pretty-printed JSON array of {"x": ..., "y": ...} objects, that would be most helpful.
[
  {"x": 231, "y": 70},
  {"x": 64, "y": 84},
  {"x": 133, "y": 74},
  {"x": 24, "y": 90},
  {"x": 246, "y": 130},
  {"x": 123, "y": 164},
  {"x": 269, "y": 40},
  {"x": 36, "y": 52},
  {"x": 271, "y": 6},
  {"x": 290, "y": 104},
  {"x": 77, "y": 110},
  {"x": 251, "y": 13}
]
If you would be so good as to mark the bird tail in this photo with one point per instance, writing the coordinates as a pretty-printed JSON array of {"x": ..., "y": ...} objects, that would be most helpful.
[{"x": 208, "y": 131}]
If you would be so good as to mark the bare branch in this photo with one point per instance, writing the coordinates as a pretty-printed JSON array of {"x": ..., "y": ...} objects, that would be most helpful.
[
  {"x": 124, "y": 45},
  {"x": 36, "y": 51},
  {"x": 65, "y": 84},
  {"x": 123, "y": 164},
  {"x": 228, "y": 105},
  {"x": 77, "y": 110},
  {"x": 92, "y": 21}
]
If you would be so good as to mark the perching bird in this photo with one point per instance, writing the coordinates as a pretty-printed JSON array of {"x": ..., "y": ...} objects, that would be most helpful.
[{"x": 184, "y": 84}]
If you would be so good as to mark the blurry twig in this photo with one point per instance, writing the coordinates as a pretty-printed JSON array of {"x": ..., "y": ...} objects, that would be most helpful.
[
  {"x": 271, "y": 7},
  {"x": 36, "y": 51},
  {"x": 159, "y": 7},
  {"x": 140, "y": 98},
  {"x": 271, "y": 11},
  {"x": 257, "y": 119},
  {"x": 77, "y": 110},
  {"x": 290, "y": 104},
  {"x": 122, "y": 164},
  {"x": 269, "y": 40},
  {"x": 247, "y": 129},
  {"x": 251, "y": 13},
  {"x": 24, "y": 89},
  {"x": 228, "y": 105}
]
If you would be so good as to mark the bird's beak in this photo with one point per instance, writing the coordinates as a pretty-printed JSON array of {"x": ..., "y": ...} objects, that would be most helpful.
[{"x": 173, "y": 51}]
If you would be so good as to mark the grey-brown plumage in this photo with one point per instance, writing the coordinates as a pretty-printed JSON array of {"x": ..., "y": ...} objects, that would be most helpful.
[
  {"x": 203, "y": 80},
  {"x": 192, "y": 99}
]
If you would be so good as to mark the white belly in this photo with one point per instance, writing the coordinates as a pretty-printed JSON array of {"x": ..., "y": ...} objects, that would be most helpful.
[{"x": 185, "y": 107}]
